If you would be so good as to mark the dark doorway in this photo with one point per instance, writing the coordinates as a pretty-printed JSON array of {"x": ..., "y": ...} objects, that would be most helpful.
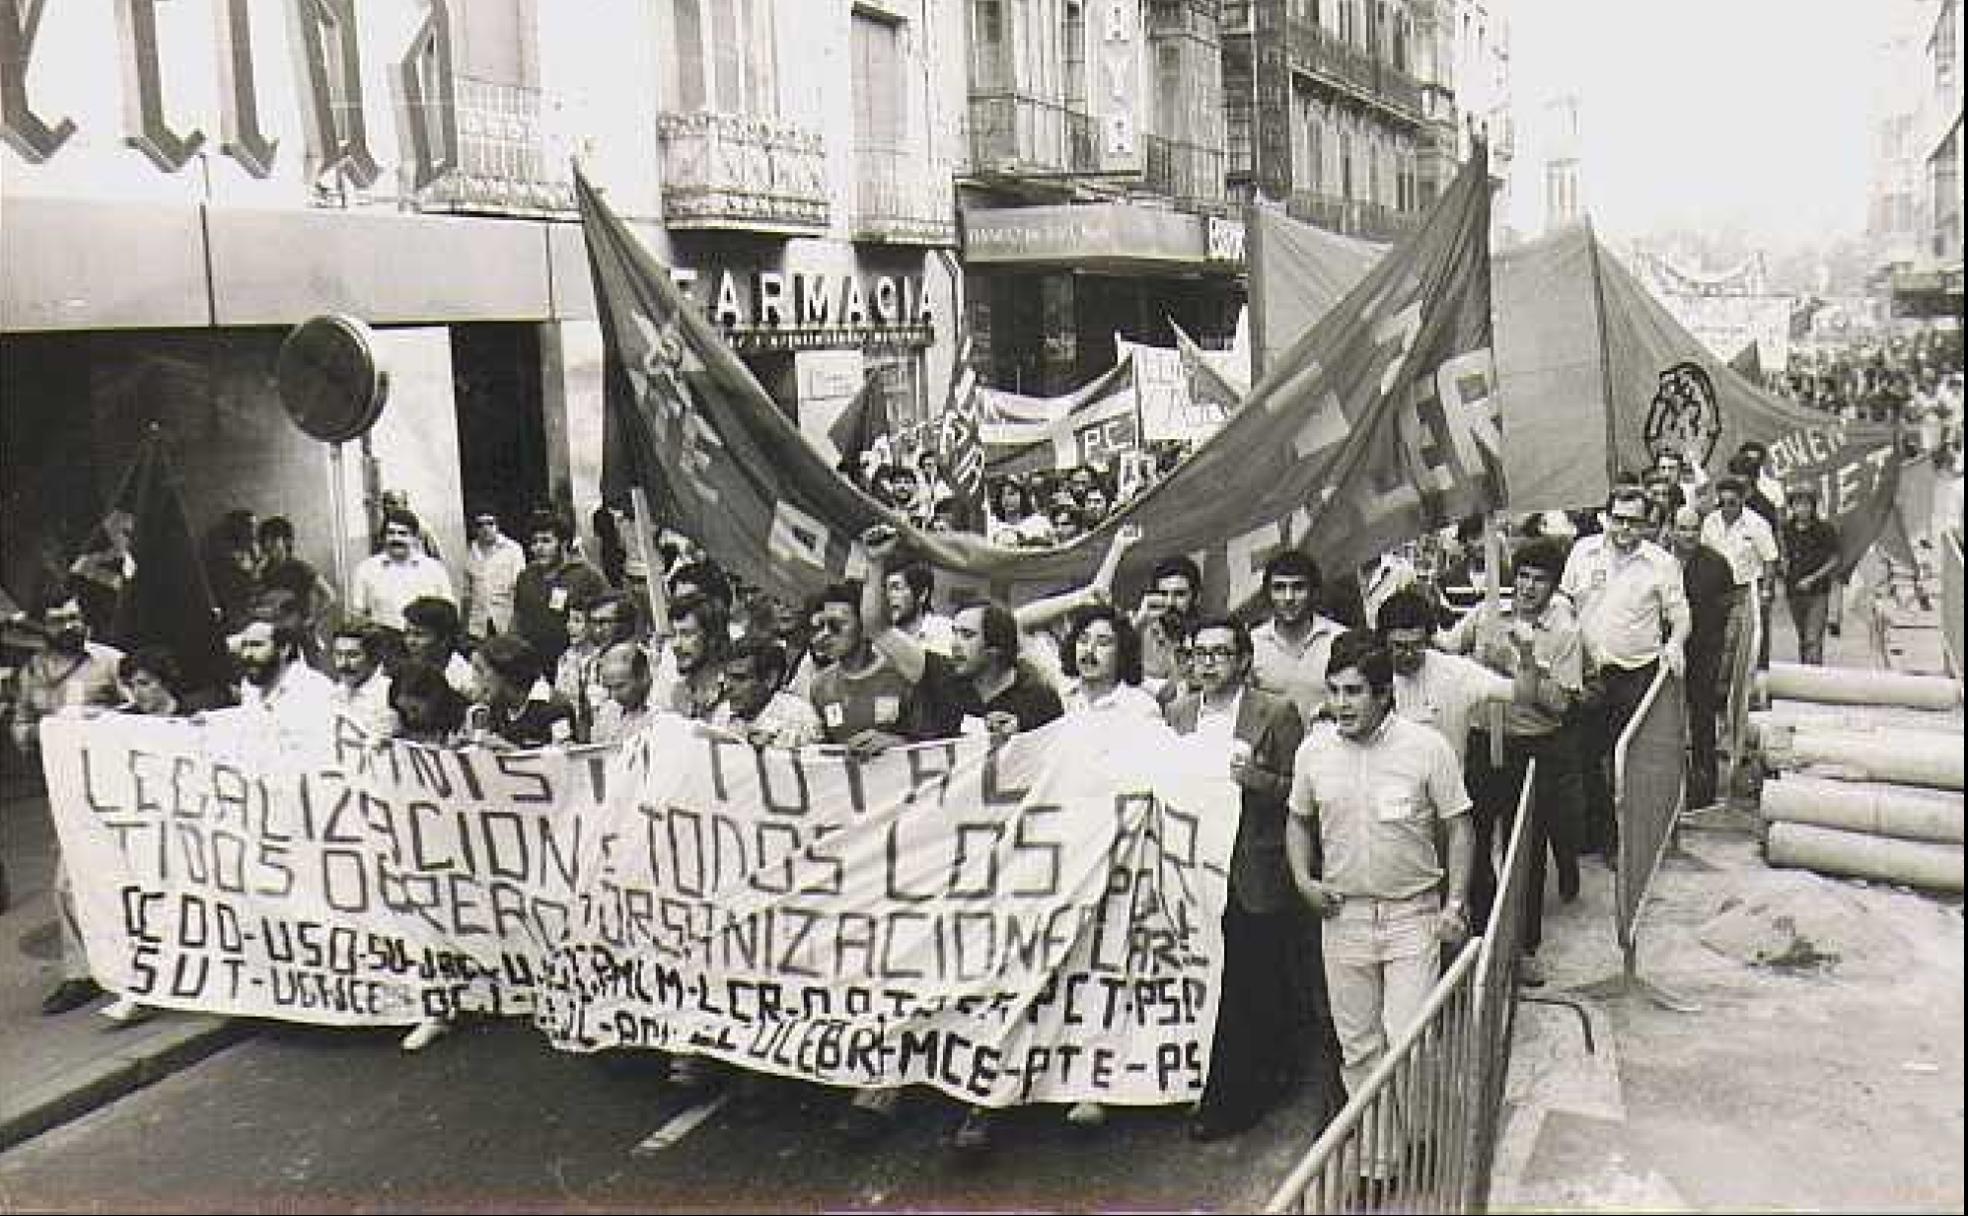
[{"x": 502, "y": 437}]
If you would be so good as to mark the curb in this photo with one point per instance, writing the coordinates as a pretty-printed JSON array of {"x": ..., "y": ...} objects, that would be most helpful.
[{"x": 96, "y": 1083}]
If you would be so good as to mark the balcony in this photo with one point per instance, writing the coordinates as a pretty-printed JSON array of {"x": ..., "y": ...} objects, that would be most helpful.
[
  {"x": 1315, "y": 50},
  {"x": 900, "y": 199},
  {"x": 735, "y": 171},
  {"x": 503, "y": 163},
  {"x": 1187, "y": 173},
  {"x": 1350, "y": 216},
  {"x": 1013, "y": 134}
]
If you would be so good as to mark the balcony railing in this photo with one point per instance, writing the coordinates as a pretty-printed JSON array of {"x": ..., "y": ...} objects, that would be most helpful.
[
  {"x": 738, "y": 171},
  {"x": 901, "y": 199},
  {"x": 1350, "y": 216},
  {"x": 504, "y": 162},
  {"x": 1314, "y": 49},
  {"x": 1015, "y": 133},
  {"x": 1185, "y": 172}
]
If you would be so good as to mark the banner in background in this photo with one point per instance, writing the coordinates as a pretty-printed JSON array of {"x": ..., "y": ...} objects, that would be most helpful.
[
  {"x": 1036, "y": 922},
  {"x": 1856, "y": 472}
]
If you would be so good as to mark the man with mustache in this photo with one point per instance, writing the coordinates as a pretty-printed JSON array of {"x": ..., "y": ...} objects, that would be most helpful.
[{"x": 71, "y": 673}]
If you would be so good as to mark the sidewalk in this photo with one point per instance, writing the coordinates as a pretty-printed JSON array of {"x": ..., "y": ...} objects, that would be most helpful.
[
  {"x": 53, "y": 1069},
  {"x": 1822, "y": 1070}
]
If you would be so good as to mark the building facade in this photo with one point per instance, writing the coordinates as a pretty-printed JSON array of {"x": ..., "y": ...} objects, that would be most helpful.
[
  {"x": 1931, "y": 285},
  {"x": 185, "y": 182}
]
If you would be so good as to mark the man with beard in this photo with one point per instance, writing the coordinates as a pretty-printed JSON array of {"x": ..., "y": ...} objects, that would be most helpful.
[
  {"x": 1370, "y": 790},
  {"x": 362, "y": 687},
  {"x": 554, "y": 579},
  {"x": 1628, "y": 593},
  {"x": 72, "y": 673},
  {"x": 1253, "y": 1055},
  {"x": 1289, "y": 649},
  {"x": 909, "y": 589},
  {"x": 275, "y": 681},
  {"x": 1709, "y": 585},
  {"x": 687, "y": 680},
  {"x": 1164, "y": 617},
  {"x": 400, "y": 572}
]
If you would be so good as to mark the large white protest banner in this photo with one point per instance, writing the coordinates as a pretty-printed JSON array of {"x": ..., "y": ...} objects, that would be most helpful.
[{"x": 1032, "y": 921}]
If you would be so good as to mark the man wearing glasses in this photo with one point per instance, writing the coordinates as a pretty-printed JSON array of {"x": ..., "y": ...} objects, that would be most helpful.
[
  {"x": 1253, "y": 1058},
  {"x": 1633, "y": 619}
]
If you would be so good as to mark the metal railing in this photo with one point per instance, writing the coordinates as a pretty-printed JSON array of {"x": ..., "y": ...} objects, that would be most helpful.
[
  {"x": 899, "y": 197},
  {"x": 1017, "y": 133},
  {"x": 741, "y": 171},
  {"x": 1183, "y": 171},
  {"x": 1350, "y": 216},
  {"x": 1742, "y": 686},
  {"x": 1421, "y": 1133},
  {"x": 1322, "y": 53},
  {"x": 1951, "y": 599}
]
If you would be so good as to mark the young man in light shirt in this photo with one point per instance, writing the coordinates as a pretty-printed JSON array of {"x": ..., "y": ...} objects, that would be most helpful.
[
  {"x": 1750, "y": 543},
  {"x": 1369, "y": 792}
]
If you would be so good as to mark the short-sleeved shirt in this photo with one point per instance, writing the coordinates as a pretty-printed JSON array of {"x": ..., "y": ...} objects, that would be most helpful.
[
  {"x": 878, "y": 697},
  {"x": 384, "y": 586},
  {"x": 1749, "y": 543},
  {"x": 1806, "y": 548},
  {"x": 1555, "y": 648},
  {"x": 1294, "y": 670},
  {"x": 1446, "y": 693},
  {"x": 1377, "y": 802},
  {"x": 1625, "y": 603}
]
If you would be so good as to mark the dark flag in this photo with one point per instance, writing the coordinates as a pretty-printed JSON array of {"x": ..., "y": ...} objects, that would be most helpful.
[
  {"x": 864, "y": 420},
  {"x": 166, "y": 601},
  {"x": 959, "y": 442}
]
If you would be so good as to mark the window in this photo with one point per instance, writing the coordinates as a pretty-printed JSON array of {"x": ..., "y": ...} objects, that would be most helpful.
[
  {"x": 878, "y": 103},
  {"x": 725, "y": 57},
  {"x": 990, "y": 67}
]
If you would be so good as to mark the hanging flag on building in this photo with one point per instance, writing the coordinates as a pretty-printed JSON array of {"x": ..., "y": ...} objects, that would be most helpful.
[{"x": 1208, "y": 387}]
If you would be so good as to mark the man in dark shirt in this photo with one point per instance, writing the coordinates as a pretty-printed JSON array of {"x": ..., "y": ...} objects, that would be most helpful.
[
  {"x": 517, "y": 708},
  {"x": 553, "y": 579},
  {"x": 1710, "y": 586},
  {"x": 1809, "y": 546}
]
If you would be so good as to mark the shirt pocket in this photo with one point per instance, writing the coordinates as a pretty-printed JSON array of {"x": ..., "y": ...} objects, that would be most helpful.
[{"x": 1394, "y": 802}]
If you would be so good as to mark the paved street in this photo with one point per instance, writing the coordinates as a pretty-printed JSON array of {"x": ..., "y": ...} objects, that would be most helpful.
[{"x": 490, "y": 1119}]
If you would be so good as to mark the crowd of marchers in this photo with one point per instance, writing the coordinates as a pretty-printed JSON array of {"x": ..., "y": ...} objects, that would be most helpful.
[{"x": 1378, "y": 739}]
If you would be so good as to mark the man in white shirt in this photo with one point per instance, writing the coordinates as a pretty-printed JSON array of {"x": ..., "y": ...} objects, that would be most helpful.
[
  {"x": 389, "y": 579},
  {"x": 909, "y": 590},
  {"x": 493, "y": 561},
  {"x": 1369, "y": 792},
  {"x": 1445, "y": 691},
  {"x": 1633, "y": 620},
  {"x": 277, "y": 683},
  {"x": 1750, "y": 544}
]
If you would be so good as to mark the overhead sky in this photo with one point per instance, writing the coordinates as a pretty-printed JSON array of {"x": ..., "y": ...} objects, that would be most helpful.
[{"x": 1749, "y": 113}]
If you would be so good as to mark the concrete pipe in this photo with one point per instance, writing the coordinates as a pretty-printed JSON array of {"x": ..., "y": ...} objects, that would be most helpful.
[
  {"x": 1813, "y": 716},
  {"x": 1877, "y": 810},
  {"x": 1858, "y": 686},
  {"x": 1914, "y": 863},
  {"x": 1898, "y": 757}
]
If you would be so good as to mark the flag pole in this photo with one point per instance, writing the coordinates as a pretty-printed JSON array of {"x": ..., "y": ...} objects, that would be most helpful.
[
  {"x": 655, "y": 591},
  {"x": 1493, "y": 605}
]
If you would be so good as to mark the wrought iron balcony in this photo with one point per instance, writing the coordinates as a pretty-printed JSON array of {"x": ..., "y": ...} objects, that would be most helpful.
[
  {"x": 1350, "y": 216},
  {"x": 1315, "y": 50},
  {"x": 737, "y": 171},
  {"x": 503, "y": 163},
  {"x": 1186, "y": 172},
  {"x": 900, "y": 198},
  {"x": 1011, "y": 133}
]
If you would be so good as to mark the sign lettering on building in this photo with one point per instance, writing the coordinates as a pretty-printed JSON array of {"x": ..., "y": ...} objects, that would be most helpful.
[
  {"x": 776, "y": 310},
  {"x": 1117, "y": 89},
  {"x": 167, "y": 69}
]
